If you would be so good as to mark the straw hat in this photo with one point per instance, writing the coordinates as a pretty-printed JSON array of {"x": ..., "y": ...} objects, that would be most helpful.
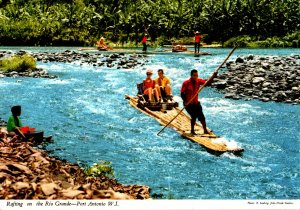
[
  {"x": 149, "y": 71},
  {"x": 197, "y": 32}
]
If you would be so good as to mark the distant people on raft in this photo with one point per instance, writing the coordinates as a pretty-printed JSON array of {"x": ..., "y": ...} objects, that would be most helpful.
[
  {"x": 197, "y": 41},
  {"x": 188, "y": 90},
  {"x": 163, "y": 86},
  {"x": 144, "y": 42},
  {"x": 101, "y": 44},
  {"x": 149, "y": 87},
  {"x": 178, "y": 48},
  {"x": 14, "y": 123}
]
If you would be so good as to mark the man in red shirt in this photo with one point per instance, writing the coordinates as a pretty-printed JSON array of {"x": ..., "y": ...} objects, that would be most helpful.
[
  {"x": 188, "y": 90},
  {"x": 197, "y": 41},
  {"x": 144, "y": 41}
]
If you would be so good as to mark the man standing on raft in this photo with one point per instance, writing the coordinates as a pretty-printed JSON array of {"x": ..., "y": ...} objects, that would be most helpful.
[
  {"x": 197, "y": 42},
  {"x": 189, "y": 95},
  {"x": 144, "y": 42}
]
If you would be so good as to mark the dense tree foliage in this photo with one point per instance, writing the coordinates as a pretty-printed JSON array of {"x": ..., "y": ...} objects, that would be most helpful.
[{"x": 81, "y": 22}]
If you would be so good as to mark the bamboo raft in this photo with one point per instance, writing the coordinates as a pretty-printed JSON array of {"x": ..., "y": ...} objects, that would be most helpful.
[
  {"x": 211, "y": 142},
  {"x": 93, "y": 49},
  {"x": 184, "y": 52}
]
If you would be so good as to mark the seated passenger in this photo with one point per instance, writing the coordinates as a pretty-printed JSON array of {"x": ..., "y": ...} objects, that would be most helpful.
[
  {"x": 101, "y": 44},
  {"x": 149, "y": 87},
  {"x": 163, "y": 86},
  {"x": 178, "y": 48}
]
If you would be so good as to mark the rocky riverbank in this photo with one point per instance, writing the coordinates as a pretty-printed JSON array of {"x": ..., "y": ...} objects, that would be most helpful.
[
  {"x": 35, "y": 73},
  {"x": 21, "y": 68},
  {"x": 272, "y": 78},
  {"x": 112, "y": 60},
  {"x": 29, "y": 173}
]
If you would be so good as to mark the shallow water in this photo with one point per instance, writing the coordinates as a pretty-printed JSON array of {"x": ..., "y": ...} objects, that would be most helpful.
[{"x": 85, "y": 110}]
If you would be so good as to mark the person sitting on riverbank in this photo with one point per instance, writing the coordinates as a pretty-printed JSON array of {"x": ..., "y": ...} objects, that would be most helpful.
[
  {"x": 149, "y": 87},
  {"x": 163, "y": 86},
  {"x": 14, "y": 127},
  {"x": 14, "y": 123}
]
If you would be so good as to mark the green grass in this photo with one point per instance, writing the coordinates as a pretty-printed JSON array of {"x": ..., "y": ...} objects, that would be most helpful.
[{"x": 18, "y": 63}]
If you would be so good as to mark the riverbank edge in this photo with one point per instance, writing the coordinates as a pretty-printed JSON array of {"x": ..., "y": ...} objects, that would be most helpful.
[
  {"x": 27, "y": 172},
  {"x": 114, "y": 59}
]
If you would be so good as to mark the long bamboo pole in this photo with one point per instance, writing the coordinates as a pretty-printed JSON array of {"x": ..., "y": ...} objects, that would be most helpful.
[{"x": 200, "y": 89}]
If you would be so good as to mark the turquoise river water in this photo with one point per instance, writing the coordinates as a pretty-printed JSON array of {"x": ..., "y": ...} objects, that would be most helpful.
[{"x": 85, "y": 110}]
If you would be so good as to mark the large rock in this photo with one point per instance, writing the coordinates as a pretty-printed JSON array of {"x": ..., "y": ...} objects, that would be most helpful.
[
  {"x": 220, "y": 84},
  {"x": 257, "y": 80},
  {"x": 239, "y": 60}
]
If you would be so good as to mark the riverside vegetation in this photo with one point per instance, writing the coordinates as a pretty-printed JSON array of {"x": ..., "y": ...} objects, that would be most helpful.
[{"x": 252, "y": 23}]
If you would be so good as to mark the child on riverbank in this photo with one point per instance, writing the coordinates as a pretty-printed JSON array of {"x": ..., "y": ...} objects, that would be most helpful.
[
  {"x": 14, "y": 123},
  {"x": 14, "y": 127}
]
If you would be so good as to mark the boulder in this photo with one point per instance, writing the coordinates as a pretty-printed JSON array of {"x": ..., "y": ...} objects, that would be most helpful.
[
  {"x": 239, "y": 60},
  {"x": 265, "y": 65},
  {"x": 220, "y": 84},
  {"x": 257, "y": 80},
  {"x": 266, "y": 84}
]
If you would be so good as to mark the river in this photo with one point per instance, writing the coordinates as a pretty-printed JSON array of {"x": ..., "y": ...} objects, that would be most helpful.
[{"x": 85, "y": 111}]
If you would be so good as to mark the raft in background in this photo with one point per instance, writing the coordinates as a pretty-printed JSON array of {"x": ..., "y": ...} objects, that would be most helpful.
[
  {"x": 93, "y": 49},
  {"x": 211, "y": 142},
  {"x": 137, "y": 50}
]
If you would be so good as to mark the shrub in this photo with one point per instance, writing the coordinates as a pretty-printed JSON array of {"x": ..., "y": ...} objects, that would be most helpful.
[
  {"x": 163, "y": 40},
  {"x": 240, "y": 41},
  {"x": 290, "y": 40},
  {"x": 101, "y": 168},
  {"x": 293, "y": 38},
  {"x": 183, "y": 40},
  {"x": 18, "y": 63}
]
